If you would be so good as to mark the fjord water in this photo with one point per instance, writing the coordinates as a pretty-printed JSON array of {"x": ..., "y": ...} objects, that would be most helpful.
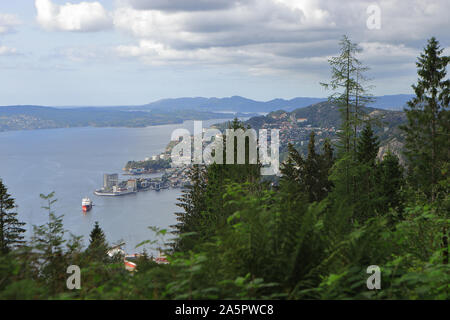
[{"x": 72, "y": 162}]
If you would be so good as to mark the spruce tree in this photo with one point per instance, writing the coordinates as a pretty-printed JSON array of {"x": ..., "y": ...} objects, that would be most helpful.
[
  {"x": 308, "y": 176},
  {"x": 428, "y": 121},
  {"x": 11, "y": 231},
  {"x": 292, "y": 172},
  {"x": 98, "y": 246},
  {"x": 97, "y": 237},
  {"x": 390, "y": 184},
  {"x": 312, "y": 178},
  {"x": 48, "y": 241},
  {"x": 192, "y": 201},
  {"x": 368, "y": 146},
  {"x": 203, "y": 201},
  {"x": 328, "y": 154},
  {"x": 326, "y": 163}
]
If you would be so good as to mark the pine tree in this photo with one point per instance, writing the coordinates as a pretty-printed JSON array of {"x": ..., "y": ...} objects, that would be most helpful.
[
  {"x": 203, "y": 201},
  {"x": 308, "y": 176},
  {"x": 350, "y": 94},
  {"x": 428, "y": 121},
  {"x": 48, "y": 240},
  {"x": 11, "y": 231},
  {"x": 192, "y": 201},
  {"x": 368, "y": 146},
  {"x": 390, "y": 184},
  {"x": 328, "y": 154},
  {"x": 97, "y": 242},
  {"x": 292, "y": 172},
  {"x": 362, "y": 97},
  {"x": 428, "y": 127},
  {"x": 97, "y": 236},
  {"x": 326, "y": 163},
  {"x": 312, "y": 178}
]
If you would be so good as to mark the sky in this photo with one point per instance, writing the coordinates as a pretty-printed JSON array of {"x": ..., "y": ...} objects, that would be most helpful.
[{"x": 132, "y": 52}]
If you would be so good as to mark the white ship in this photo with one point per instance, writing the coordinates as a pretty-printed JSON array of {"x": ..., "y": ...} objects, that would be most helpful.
[{"x": 86, "y": 204}]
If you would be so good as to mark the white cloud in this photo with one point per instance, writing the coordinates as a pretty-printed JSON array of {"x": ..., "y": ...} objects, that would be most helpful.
[
  {"x": 259, "y": 36},
  {"x": 7, "y": 51},
  {"x": 8, "y": 22},
  {"x": 182, "y": 5},
  {"x": 377, "y": 50},
  {"x": 257, "y": 59},
  {"x": 312, "y": 14},
  {"x": 83, "y": 16},
  {"x": 276, "y": 34},
  {"x": 264, "y": 21}
]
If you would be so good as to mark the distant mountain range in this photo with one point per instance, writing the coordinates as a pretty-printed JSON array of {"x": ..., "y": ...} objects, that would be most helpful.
[
  {"x": 162, "y": 112},
  {"x": 241, "y": 104}
]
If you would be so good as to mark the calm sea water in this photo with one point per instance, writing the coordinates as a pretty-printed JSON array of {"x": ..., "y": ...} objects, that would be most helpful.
[{"x": 72, "y": 162}]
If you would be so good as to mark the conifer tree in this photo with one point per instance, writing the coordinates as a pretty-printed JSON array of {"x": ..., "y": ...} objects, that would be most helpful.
[
  {"x": 292, "y": 172},
  {"x": 288, "y": 168},
  {"x": 390, "y": 183},
  {"x": 192, "y": 201},
  {"x": 48, "y": 240},
  {"x": 350, "y": 94},
  {"x": 328, "y": 154},
  {"x": 11, "y": 231},
  {"x": 310, "y": 175},
  {"x": 326, "y": 163},
  {"x": 368, "y": 146},
  {"x": 203, "y": 201},
  {"x": 98, "y": 245},
  {"x": 428, "y": 121},
  {"x": 312, "y": 178},
  {"x": 97, "y": 236}
]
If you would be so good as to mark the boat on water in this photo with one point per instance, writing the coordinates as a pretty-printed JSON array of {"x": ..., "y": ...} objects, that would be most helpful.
[
  {"x": 116, "y": 191},
  {"x": 86, "y": 204}
]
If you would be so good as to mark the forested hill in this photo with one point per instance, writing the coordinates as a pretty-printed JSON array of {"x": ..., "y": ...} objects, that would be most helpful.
[
  {"x": 324, "y": 119},
  {"x": 324, "y": 114},
  {"x": 38, "y": 117}
]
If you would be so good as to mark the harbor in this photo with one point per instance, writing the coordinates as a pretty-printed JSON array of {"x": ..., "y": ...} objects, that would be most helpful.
[{"x": 171, "y": 178}]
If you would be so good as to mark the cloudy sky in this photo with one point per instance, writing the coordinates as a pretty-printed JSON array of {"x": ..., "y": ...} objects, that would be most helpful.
[{"x": 115, "y": 52}]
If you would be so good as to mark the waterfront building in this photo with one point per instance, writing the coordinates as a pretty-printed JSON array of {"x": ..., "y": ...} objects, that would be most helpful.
[
  {"x": 110, "y": 180},
  {"x": 132, "y": 184}
]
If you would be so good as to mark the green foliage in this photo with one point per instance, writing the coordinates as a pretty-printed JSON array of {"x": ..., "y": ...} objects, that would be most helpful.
[
  {"x": 367, "y": 146},
  {"x": 428, "y": 126},
  {"x": 98, "y": 245},
  {"x": 309, "y": 176},
  {"x": 311, "y": 236},
  {"x": 11, "y": 231},
  {"x": 149, "y": 164},
  {"x": 349, "y": 91},
  {"x": 390, "y": 185}
]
